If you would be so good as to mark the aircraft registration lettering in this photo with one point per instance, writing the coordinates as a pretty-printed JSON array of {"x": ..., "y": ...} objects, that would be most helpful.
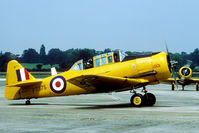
[
  {"x": 156, "y": 65},
  {"x": 43, "y": 87}
]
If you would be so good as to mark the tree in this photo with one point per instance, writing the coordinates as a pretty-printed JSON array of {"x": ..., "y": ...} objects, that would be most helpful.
[
  {"x": 30, "y": 56},
  {"x": 177, "y": 57},
  {"x": 4, "y": 59},
  {"x": 185, "y": 57},
  {"x": 55, "y": 56},
  {"x": 129, "y": 53},
  {"x": 42, "y": 54},
  {"x": 107, "y": 50},
  {"x": 86, "y": 54},
  {"x": 194, "y": 56},
  {"x": 42, "y": 50}
]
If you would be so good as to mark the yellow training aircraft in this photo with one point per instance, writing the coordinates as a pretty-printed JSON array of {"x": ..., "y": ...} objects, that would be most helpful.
[
  {"x": 107, "y": 72},
  {"x": 185, "y": 74}
]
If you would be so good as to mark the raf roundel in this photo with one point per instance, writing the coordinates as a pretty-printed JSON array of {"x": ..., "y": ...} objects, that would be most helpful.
[{"x": 58, "y": 84}]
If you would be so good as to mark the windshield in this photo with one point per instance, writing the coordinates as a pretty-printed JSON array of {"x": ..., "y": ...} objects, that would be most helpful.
[
  {"x": 122, "y": 55},
  {"x": 78, "y": 65}
]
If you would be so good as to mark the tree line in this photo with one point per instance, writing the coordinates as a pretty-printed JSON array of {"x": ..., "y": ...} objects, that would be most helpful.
[{"x": 65, "y": 58}]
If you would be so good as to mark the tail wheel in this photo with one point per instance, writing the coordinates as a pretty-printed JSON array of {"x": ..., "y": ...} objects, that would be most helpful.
[
  {"x": 28, "y": 102},
  {"x": 137, "y": 100},
  {"x": 149, "y": 99}
]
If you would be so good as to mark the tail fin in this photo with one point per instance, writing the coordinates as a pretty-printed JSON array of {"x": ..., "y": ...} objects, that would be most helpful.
[{"x": 16, "y": 73}]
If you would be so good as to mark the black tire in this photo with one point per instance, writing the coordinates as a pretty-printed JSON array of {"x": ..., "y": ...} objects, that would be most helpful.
[
  {"x": 137, "y": 100},
  {"x": 149, "y": 99},
  {"x": 28, "y": 102},
  {"x": 173, "y": 86},
  {"x": 197, "y": 89}
]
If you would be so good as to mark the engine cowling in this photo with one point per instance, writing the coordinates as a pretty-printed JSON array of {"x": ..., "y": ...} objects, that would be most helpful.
[{"x": 185, "y": 72}]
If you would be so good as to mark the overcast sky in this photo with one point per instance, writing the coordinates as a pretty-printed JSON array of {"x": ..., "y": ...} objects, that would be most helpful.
[{"x": 135, "y": 25}]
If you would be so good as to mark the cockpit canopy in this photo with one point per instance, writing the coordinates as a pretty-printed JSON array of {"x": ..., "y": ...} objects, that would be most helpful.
[
  {"x": 99, "y": 60},
  {"x": 77, "y": 65}
]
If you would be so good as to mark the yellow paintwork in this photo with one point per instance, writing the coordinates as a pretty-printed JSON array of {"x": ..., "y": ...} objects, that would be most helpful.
[{"x": 119, "y": 72}]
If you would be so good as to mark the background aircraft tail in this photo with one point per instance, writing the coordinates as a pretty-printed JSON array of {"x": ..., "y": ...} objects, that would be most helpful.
[{"x": 16, "y": 74}]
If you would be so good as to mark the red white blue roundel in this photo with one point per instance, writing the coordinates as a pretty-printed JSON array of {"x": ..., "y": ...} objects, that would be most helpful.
[{"x": 58, "y": 84}]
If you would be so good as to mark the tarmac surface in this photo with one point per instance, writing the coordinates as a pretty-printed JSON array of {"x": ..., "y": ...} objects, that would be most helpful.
[{"x": 174, "y": 112}]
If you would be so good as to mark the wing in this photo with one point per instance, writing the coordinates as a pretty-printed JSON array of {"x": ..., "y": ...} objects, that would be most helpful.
[
  {"x": 194, "y": 80},
  {"x": 103, "y": 83},
  {"x": 171, "y": 80}
]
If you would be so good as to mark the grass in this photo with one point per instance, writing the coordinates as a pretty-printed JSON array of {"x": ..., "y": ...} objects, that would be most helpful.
[{"x": 31, "y": 66}]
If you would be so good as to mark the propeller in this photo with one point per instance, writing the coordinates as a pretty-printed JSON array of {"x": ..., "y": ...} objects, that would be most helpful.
[
  {"x": 183, "y": 73},
  {"x": 172, "y": 63},
  {"x": 186, "y": 71}
]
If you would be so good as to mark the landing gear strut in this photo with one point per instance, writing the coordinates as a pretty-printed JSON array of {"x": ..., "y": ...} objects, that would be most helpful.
[
  {"x": 197, "y": 89},
  {"x": 182, "y": 87},
  {"x": 138, "y": 100},
  {"x": 28, "y": 102}
]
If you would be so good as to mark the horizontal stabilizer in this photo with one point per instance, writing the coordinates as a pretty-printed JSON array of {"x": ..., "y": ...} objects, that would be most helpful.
[{"x": 25, "y": 83}]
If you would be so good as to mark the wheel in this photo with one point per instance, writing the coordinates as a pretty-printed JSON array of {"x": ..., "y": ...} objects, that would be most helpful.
[
  {"x": 137, "y": 100},
  {"x": 197, "y": 89},
  {"x": 173, "y": 86},
  {"x": 27, "y": 102},
  {"x": 149, "y": 99}
]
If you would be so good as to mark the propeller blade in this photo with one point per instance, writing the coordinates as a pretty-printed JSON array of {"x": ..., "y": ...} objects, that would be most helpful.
[
  {"x": 166, "y": 47},
  {"x": 172, "y": 65}
]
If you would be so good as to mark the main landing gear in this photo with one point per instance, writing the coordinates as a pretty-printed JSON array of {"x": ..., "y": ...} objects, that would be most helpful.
[
  {"x": 138, "y": 100},
  {"x": 197, "y": 88}
]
